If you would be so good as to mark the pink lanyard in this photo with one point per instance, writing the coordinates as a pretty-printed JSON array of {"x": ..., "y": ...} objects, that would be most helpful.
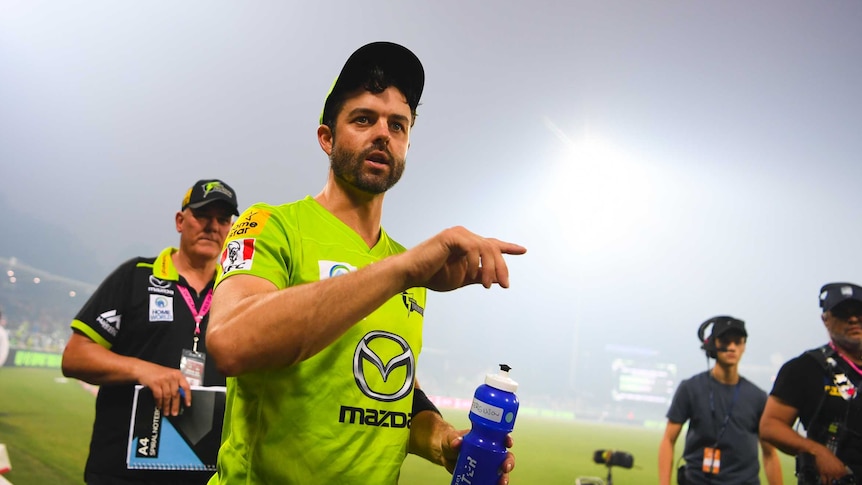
[
  {"x": 198, "y": 314},
  {"x": 849, "y": 362}
]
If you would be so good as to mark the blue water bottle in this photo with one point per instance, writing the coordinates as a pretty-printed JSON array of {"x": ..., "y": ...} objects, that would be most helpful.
[{"x": 493, "y": 414}]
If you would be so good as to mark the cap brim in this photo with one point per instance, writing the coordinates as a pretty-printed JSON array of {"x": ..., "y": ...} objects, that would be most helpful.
[
  {"x": 845, "y": 300},
  {"x": 198, "y": 205},
  {"x": 733, "y": 330}
]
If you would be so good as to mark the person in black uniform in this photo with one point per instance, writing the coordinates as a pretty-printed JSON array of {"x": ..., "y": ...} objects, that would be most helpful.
[
  {"x": 820, "y": 388},
  {"x": 145, "y": 324}
]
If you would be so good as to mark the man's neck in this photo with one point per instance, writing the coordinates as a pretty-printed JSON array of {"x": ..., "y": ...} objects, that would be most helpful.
[
  {"x": 359, "y": 211},
  {"x": 726, "y": 374},
  {"x": 198, "y": 272},
  {"x": 849, "y": 352}
]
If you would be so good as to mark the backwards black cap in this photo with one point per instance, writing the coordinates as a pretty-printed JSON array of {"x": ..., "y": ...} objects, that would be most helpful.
[{"x": 400, "y": 66}]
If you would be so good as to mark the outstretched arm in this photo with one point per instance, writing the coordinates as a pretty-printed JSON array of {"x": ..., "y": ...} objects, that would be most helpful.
[{"x": 253, "y": 325}]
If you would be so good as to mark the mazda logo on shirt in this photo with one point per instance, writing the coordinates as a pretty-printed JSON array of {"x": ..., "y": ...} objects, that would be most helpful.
[
  {"x": 159, "y": 283},
  {"x": 384, "y": 366},
  {"x": 160, "y": 286}
]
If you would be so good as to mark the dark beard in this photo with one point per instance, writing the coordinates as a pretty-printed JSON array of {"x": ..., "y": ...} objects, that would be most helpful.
[{"x": 348, "y": 166}]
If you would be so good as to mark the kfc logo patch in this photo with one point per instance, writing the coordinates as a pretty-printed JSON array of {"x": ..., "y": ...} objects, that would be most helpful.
[{"x": 238, "y": 254}]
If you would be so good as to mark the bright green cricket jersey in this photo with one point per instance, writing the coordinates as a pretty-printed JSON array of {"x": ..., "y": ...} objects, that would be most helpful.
[{"x": 342, "y": 416}]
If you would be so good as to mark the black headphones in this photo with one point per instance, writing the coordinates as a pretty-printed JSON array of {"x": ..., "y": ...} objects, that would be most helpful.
[{"x": 707, "y": 344}]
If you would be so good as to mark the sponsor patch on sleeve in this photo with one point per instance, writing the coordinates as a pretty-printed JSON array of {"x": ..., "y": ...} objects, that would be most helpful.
[
  {"x": 330, "y": 269},
  {"x": 237, "y": 254},
  {"x": 250, "y": 223}
]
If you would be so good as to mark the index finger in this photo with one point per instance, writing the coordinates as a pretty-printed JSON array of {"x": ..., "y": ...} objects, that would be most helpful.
[
  {"x": 185, "y": 394},
  {"x": 510, "y": 248}
]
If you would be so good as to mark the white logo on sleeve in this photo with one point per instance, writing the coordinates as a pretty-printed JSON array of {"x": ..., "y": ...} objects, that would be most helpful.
[
  {"x": 110, "y": 321},
  {"x": 330, "y": 269}
]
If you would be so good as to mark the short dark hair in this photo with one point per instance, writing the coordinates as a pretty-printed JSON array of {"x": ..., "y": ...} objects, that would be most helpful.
[{"x": 375, "y": 81}]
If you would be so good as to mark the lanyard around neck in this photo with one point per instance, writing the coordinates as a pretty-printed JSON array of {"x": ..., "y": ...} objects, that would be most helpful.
[
  {"x": 729, "y": 409},
  {"x": 845, "y": 359},
  {"x": 198, "y": 314}
]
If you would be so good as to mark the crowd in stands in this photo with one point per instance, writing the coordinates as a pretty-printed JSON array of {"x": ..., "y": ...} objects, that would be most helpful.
[{"x": 36, "y": 311}]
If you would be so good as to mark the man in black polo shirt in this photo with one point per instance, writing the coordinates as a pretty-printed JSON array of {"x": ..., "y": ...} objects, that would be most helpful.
[
  {"x": 145, "y": 324},
  {"x": 820, "y": 388}
]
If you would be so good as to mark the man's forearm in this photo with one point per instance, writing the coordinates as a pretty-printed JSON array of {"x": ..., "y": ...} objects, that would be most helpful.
[
  {"x": 783, "y": 437},
  {"x": 665, "y": 462},
  {"x": 772, "y": 469},
  {"x": 258, "y": 327}
]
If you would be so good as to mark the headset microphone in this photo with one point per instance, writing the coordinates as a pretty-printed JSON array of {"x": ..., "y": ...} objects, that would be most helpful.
[
  {"x": 725, "y": 323},
  {"x": 707, "y": 343}
]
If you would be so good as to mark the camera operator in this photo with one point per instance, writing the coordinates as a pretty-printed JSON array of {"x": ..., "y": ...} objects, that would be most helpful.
[
  {"x": 723, "y": 410},
  {"x": 819, "y": 388}
]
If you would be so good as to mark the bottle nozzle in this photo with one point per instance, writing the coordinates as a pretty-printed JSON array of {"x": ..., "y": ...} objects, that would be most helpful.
[{"x": 501, "y": 380}]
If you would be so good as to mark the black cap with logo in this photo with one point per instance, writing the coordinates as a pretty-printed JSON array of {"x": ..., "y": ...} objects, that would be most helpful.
[
  {"x": 832, "y": 294},
  {"x": 205, "y": 191},
  {"x": 722, "y": 325}
]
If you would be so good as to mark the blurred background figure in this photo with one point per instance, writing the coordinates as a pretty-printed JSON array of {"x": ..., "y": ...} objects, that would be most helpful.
[
  {"x": 723, "y": 410},
  {"x": 820, "y": 388}
]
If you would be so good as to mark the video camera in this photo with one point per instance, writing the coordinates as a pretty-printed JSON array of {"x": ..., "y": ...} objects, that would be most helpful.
[{"x": 614, "y": 458}]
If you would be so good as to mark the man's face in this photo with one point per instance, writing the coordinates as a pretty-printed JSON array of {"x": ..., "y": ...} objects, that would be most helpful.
[
  {"x": 203, "y": 231},
  {"x": 735, "y": 345},
  {"x": 844, "y": 324},
  {"x": 370, "y": 141}
]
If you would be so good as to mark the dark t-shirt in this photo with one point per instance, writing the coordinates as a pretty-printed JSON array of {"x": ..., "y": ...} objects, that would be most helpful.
[
  {"x": 803, "y": 383},
  {"x": 138, "y": 311},
  {"x": 705, "y": 403}
]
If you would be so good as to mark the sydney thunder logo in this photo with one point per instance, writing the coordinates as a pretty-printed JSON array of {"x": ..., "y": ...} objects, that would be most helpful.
[{"x": 215, "y": 187}]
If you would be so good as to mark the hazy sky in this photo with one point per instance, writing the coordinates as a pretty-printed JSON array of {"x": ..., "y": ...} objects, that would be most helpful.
[{"x": 663, "y": 162}]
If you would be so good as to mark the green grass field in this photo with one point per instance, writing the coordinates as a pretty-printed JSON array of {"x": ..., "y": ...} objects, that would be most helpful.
[{"x": 45, "y": 423}]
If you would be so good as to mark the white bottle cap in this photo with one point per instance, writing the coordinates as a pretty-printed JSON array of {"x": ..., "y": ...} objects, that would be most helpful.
[{"x": 501, "y": 380}]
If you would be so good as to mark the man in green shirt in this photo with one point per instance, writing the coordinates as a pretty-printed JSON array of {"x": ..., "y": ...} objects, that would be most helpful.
[{"x": 317, "y": 316}]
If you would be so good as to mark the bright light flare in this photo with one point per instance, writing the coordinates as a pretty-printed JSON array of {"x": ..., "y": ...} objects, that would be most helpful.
[{"x": 599, "y": 194}]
